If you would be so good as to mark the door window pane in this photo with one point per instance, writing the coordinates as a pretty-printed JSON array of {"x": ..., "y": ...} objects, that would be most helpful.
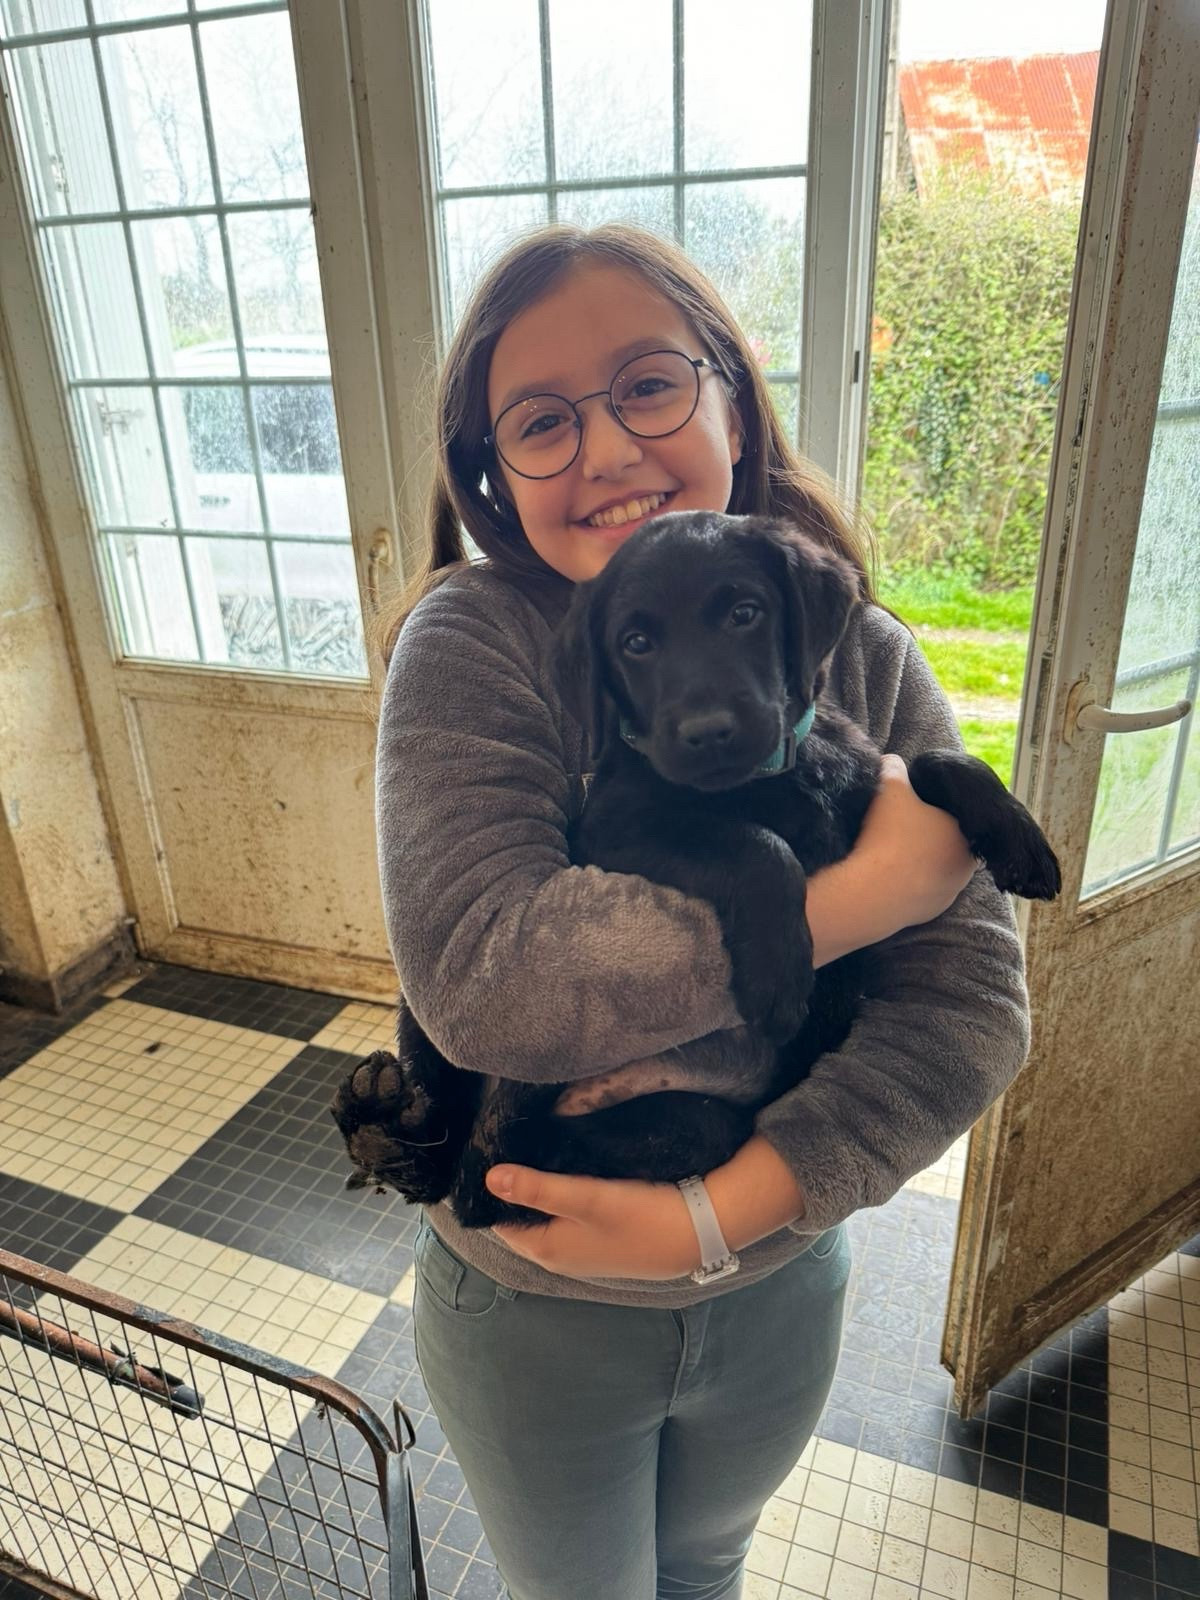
[
  {"x": 612, "y": 105},
  {"x": 766, "y": 55},
  {"x": 749, "y": 238},
  {"x": 494, "y": 137},
  {"x": 1148, "y": 805},
  {"x": 118, "y": 430},
  {"x": 158, "y": 125},
  {"x": 151, "y": 596},
  {"x": 193, "y": 340},
  {"x": 250, "y": 74},
  {"x": 92, "y": 287},
  {"x": 40, "y": 16},
  {"x": 320, "y": 599},
  {"x": 238, "y": 617},
  {"x": 60, "y": 122}
]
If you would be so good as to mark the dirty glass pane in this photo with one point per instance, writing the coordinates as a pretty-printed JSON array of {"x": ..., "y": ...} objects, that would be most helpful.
[
  {"x": 1134, "y": 781},
  {"x": 1148, "y": 803},
  {"x": 320, "y": 601},
  {"x": 40, "y": 16},
  {"x": 749, "y": 238},
  {"x": 131, "y": 10},
  {"x": 151, "y": 595},
  {"x": 191, "y": 326},
  {"x": 118, "y": 432},
  {"x": 645, "y": 208},
  {"x": 1186, "y": 829},
  {"x": 476, "y": 230},
  {"x": 90, "y": 279},
  {"x": 301, "y": 462},
  {"x": 488, "y": 76},
  {"x": 251, "y": 77},
  {"x": 60, "y": 121},
  {"x": 277, "y": 285},
  {"x": 210, "y": 452},
  {"x": 746, "y": 87},
  {"x": 154, "y": 101},
  {"x": 612, "y": 105},
  {"x": 235, "y": 601}
]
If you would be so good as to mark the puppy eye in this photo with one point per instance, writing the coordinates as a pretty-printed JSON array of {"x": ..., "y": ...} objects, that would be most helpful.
[
  {"x": 744, "y": 614},
  {"x": 636, "y": 644}
]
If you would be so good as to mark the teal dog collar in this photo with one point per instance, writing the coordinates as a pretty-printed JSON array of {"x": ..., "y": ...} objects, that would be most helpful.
[{"x": 781, "y": 759}]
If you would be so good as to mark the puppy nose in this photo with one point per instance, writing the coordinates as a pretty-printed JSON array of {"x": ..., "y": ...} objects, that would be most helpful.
[{"x": 706, "y": 732}]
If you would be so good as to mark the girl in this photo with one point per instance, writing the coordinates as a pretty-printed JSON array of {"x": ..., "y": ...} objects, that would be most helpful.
[{"x": 621, "y": 1424}]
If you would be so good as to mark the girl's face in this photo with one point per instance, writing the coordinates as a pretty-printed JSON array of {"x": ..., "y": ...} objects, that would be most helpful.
[{"x": 571, "y": 343}]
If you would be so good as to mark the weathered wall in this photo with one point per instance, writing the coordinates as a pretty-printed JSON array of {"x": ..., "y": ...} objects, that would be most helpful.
[{"x": 62, "y": 909}]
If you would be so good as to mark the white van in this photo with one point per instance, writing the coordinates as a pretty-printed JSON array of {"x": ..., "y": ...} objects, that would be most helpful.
[{"x": 297, "y": 431}]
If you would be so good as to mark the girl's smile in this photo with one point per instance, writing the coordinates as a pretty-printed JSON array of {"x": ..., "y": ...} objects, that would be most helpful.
[{"x": 571, "y": 342}]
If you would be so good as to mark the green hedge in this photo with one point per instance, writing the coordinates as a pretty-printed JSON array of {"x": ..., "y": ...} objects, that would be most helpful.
[{"x": 972, "y": 291}]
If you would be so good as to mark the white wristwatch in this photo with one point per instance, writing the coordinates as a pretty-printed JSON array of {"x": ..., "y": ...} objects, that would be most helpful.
[{"x": 717, "y": 1260}]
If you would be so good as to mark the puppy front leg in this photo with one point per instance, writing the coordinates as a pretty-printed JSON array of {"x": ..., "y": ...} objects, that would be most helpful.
[
  {"x": 996, "y": 826},
  {"x": 753, "y": 881}
]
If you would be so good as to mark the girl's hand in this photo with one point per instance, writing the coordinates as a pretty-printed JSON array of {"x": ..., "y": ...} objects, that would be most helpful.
[
  {"x": 601, "y": 1227},
  {"x": 916, "y": 850}
]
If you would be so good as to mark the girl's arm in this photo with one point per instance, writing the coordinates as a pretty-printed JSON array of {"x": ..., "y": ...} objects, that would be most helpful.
[{"x": 909, "y": 864}]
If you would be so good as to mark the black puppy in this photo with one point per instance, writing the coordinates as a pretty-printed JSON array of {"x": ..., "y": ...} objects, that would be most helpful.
[{"x": 696, "y": 660}]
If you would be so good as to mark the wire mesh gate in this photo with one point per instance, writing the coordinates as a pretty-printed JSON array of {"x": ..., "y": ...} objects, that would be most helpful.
[{"x": 142, "y": 1456}]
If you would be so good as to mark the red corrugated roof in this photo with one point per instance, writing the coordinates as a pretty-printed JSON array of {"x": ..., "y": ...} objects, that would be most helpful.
[{"x": 1029, "y": 118}]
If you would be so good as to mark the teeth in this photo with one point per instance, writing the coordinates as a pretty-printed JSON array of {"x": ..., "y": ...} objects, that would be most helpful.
[{"x": 616, "y": 515}]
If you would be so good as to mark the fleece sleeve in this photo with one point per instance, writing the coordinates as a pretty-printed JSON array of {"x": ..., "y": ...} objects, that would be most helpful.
[
  {"x": 945, "y": 1030},
  {"x": 514, "y": 961}
]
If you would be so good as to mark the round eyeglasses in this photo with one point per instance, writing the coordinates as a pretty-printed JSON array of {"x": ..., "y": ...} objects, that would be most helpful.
[{"x": 651, "y": 396}]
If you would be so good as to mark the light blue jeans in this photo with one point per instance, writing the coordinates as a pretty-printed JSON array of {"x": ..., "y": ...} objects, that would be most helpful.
[{"x": 626, "y": 1452}]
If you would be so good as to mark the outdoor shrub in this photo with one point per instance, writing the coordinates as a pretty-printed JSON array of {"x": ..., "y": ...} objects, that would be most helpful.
[{"x": 972, "y": 290}]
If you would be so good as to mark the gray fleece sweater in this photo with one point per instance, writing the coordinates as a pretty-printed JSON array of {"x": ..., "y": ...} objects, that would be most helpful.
[{"x": 519, "y": 964}]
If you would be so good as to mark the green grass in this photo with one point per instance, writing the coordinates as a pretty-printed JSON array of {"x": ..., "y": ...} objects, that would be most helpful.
[
  {"x": 941, "y": 602},
  {"x": 993, "y": 742},
  {"x": 965, "y": 668}
]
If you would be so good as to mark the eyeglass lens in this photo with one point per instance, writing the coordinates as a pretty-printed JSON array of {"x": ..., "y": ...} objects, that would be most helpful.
[{"x": 652, "y": 395}]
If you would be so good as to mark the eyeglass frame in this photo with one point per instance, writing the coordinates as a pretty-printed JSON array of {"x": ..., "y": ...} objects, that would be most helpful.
[{"x": 696, "y": 362}]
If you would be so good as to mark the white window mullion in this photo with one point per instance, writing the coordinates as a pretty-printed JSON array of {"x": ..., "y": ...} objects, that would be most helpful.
[
  {"x": 849, "y": 69},
  {"x": 361, "y": 92}
]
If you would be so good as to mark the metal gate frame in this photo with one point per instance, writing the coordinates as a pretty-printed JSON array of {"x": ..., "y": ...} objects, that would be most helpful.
[{"x": 37, "y": 1396}]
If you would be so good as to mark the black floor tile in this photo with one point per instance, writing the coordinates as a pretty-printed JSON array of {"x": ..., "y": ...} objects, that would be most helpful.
[
  {"x": 1127, "y": 1554},
  {"x": 271, "y": 1181},
  {"x": 23, "y": 1033},
  {"x": 243, "y": 1002},
  {"x": 50, "y": 1228},
  {"x": 1177, "y": 1568}
]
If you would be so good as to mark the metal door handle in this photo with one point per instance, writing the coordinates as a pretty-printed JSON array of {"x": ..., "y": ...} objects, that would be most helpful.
[
  {"x": 1101, "y": 720},
  {"x": 379, "y": 555}
]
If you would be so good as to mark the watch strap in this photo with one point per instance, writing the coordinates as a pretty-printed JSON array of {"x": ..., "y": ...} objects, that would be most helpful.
[{"x": 717, "y": 1260}]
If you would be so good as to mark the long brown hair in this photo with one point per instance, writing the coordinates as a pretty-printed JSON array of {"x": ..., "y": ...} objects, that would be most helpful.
[{"x": 468, "y": 494}]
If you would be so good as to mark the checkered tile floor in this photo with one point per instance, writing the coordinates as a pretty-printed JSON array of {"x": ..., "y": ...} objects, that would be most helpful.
[{"x": 170, "y": 1142}]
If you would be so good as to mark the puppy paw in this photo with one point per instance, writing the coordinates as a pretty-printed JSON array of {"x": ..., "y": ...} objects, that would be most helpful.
[
  {"x": 1024, "y": 865},
  {"x": 393, "y": 1135}
]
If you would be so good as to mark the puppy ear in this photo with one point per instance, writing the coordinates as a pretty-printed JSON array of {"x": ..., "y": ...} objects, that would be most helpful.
[
  {"x": 820, "y": 589},
  {"x": 576, "y": 663}
]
